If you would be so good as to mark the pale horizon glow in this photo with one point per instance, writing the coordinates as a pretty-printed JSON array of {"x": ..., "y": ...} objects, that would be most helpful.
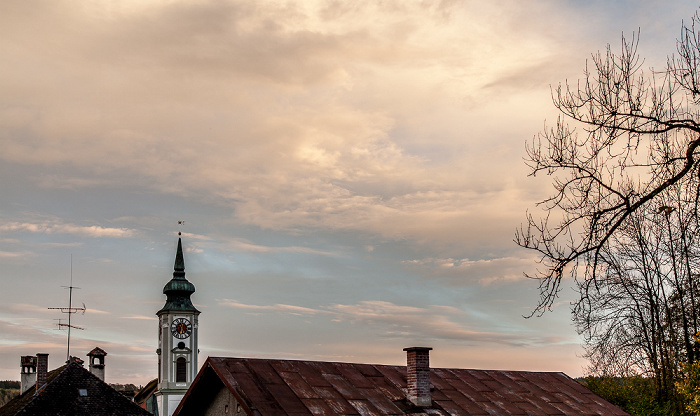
[{"x": 350, "y": 174}]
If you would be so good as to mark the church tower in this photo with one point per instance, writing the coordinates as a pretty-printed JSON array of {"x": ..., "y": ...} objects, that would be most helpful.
[{"x": 177, "y": 339}]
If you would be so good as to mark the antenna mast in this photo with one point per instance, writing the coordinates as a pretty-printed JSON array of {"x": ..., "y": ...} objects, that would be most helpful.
[{"x": 70, "y": 310}]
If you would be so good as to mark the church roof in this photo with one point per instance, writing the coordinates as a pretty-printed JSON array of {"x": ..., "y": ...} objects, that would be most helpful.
[
  {"x": 178, "y": 289},
  {"x": 72, "y": 390},
  {"x": 269, "y": 387}
]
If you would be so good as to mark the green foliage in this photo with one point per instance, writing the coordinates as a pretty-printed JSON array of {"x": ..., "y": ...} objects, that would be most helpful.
[
  {"x": 636, "y": 395},
  {"x": 125, "y": 387},
  {"x": 9, "y": 384},
  {"x": 8, "y": 391},
  {"x": 689, "y": 388}
]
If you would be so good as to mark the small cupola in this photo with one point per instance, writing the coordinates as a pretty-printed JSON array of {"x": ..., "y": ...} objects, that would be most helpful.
[{"x": 97, "y": 362}]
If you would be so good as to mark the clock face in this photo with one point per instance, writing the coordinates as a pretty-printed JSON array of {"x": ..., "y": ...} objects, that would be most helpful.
[{"x": 181, "y": 328}]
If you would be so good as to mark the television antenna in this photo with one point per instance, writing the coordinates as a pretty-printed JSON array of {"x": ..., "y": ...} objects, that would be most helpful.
[{"x": 70, "y": 310}]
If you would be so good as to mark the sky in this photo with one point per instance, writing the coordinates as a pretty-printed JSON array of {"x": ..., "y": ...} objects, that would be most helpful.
[{"x": 350, "y": 174}]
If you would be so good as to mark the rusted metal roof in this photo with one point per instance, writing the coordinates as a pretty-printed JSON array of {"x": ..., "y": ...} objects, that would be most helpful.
[{"x": 288, "y": 387}]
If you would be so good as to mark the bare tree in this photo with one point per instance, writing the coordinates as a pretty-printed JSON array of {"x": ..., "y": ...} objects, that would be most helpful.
[
  {"x": 623, "y": 221},
  {"x": 624, "y": 136},
  {"x": 641, "y": 315}
]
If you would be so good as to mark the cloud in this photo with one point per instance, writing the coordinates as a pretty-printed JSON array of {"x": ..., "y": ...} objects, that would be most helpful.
[
  {"x": 433, "y": 322},
  {"x": 22, "y": 309},
  {"x": 141, "y": 317},
  {"x": 55, "y": 227},
  {"x": 465, "y": 271},
  {"x": 97, "y": 311},
  {"x": 27, "y": 331},
  {"x": 14, "y": 254},
  {"x": 287, "y": 309},
  {"x": 245, "y": 245},
  {"x": 222, "y": 242},
  {"x": 317, "y": 120},
  {"x": 70, "y": 182}
]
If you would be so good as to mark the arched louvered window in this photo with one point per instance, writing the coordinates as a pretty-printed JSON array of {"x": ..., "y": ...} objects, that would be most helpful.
[{"x": 181, "y": 370}]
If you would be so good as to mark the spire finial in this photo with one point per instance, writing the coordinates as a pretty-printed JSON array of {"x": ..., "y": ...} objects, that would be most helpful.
[
  {"x": 179, "y": 223},
  {"x": 179, "y": 260}
]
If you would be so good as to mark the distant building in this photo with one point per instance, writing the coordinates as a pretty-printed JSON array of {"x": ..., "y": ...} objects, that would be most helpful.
[
  {"x": 265, "y": 387},
  {"x": 67, "y": 390},
  {"x": 145, "y": 398}
]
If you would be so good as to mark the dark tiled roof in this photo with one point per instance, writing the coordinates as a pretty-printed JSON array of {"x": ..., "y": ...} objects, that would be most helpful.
[
  {"x": 62, "y": 396},
  {"x": 287, "y": 387},
  {"x": 18, "y": 403}
]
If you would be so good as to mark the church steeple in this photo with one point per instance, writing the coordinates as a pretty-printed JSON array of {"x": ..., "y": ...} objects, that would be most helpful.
[
  {"x": 179, "y": 259},
  {"x": 178, "y": 331},
  {"x": 178, "y": 289}
]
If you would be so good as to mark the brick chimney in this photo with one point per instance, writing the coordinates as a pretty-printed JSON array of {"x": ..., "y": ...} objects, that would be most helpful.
[
  {"x": 28, "y": 374},
  {"x": 42, "y": 370},
  {"x": 418, "y": 371}
]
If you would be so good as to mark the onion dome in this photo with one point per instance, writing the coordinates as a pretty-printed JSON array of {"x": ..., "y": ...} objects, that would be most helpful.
[{"x": 178, "y": 289}]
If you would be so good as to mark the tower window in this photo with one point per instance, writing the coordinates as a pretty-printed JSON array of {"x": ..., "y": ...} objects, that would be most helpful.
[{"x": 181, "y": 370}]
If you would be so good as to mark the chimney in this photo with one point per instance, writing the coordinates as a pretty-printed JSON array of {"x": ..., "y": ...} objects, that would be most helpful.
[
  {"x": 28, "y": 375},
  {"x": 76, "y": 360},
  {"x": 418, "y": 371},
  {"x": 97, "y": 362},
  {"x": 42, "y": 370}
]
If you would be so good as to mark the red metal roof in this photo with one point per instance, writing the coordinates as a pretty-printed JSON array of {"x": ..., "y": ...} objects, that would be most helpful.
[{"x": 295, "y": 388}]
